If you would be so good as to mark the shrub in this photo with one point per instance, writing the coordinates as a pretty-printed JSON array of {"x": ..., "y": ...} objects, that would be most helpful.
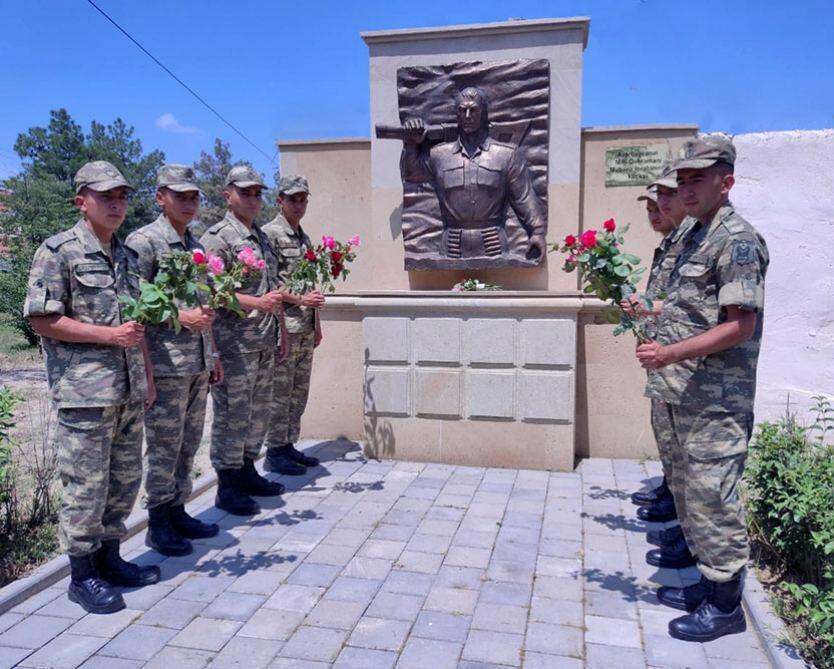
[{"x": 790, "y": 502}]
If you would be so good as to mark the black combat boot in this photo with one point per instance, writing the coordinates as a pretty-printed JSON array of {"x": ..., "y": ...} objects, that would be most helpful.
[
  {"x": 671, "y": 556},
  {"x": 278, "y": 460},
  {"x": 659, "y": 512},
  {"x": 230, "y": 497},
  {"x": 664, "y": 537},
  {"x": 647, "y": 497},
  {"x": 117, "y": 571},
  {"x": 297, "y": 456},
  {"x": 252, "y": 483},
  {"x": 89, "y": 590},
  {"x": 716, "y": 616},
  {"x": 684, "y": 599},
  {"x": 189, "y": 527},
  {"x": 161, "y": 536}
]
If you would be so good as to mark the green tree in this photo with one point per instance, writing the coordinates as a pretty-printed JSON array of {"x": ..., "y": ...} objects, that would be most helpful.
[
  {"x": 211, "y": 169},
  {"x": 40, "y": 200}
]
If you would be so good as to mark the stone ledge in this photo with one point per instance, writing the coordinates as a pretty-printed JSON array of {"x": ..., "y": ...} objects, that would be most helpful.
[{"x": 478, "y": 30}]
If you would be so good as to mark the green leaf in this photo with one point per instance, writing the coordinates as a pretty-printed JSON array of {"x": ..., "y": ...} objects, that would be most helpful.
[{"x": 621, "y": 270}]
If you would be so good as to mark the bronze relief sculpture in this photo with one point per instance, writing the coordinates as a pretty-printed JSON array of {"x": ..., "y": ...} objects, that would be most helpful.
[{"x": 475, "y": 190}]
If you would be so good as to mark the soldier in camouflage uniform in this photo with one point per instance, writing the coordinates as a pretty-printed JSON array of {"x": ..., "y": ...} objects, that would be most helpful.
[
  {"x": 248, "y": 348},
  {"x": 292, "y": 376},
  {"x": 99, "y": 377},
  {"x": 705, "y": 355},
  {"x": 182, "y": 365}
]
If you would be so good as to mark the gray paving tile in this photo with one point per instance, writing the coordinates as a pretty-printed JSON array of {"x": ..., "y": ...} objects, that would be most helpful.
[
  {"x": 442, "y": 626},
  {"x": 421, "y": 653},
  {"x": 172, "y": 613},
  {"x": 512, "y": 594},
  {"x": 299, "y": 598},
  {"x": 612, "y": 631},
  {"x": 368, "y": 568},
  {"x": 545, "y": 638},
  {"x": 600, "y": 656},
  {"x": 295, "y": 663},
  {"x": 104, "y": 662},
  {"x": 233, "y": 606},
  {"x": 429, "y": 543},
  {"x": 272, "y": 624},
  {"x": 10, "y": 657},
  {"x": 316, "y": 574},
  {"x": 206, "y": 634},
  {"x": 105, "y": 626},
  {"x": 500, "y": 618},
  {"x": 138, "y": 642},
  {"x": 34, "y": 631},
  {"x": 466, "y": 556},
  {"x": 335, "y": 614},
  {"x": 543, "y": 661},
  {"x": 180, "y": 658},
  {"x": 395, "y": 606},
  {"x": 379, "y": 634},
  {"x": 468, "y": 578},
  {"x": 348, "y": 589},
  {"x": 314, "y": 643},
  {"x": 354, "y": 658},
  {"x": 9, "y": 619},
  {"x": 62, "y": 607},
  {"x": 495, "y": 647},
  {"x": 407, "y": 583},
  {"x": 246, "y": 653},
  {"x": 65, "y": 651},
  {"x": 451, "y": 600},
  {"x": 39, "y": 599},
  {"x": 664, "y": 651}
]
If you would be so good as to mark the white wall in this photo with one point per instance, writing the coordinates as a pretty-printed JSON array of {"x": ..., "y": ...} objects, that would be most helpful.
[{"x": 785, "y": 188}]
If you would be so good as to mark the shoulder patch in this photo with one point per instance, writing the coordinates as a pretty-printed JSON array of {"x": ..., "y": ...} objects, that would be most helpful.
[
  {"x": 742, "y": 252},
  {"x": 56, "y": 241}
]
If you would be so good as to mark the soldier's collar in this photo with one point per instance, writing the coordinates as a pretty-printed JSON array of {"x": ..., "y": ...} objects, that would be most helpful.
[
  {"x": 169, "y": 233},
  {"x": 240, "y": 227},
  {"x": 88, "y": 239},
  {"x": 483, "y": 146}
]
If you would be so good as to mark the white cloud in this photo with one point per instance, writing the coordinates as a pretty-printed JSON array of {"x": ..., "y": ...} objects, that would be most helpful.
[{"x": 169, "y": 123}]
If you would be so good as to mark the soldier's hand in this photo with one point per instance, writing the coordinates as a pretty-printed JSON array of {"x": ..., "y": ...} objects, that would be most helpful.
[
  {"x": 271, "y": 301},
  {"x": 537, "y": 247},
  {"x": 200, "y": 318},
  {"x": 632, "y": 306},
  {"x": 127, "y": 334},
  {"x": 652, "y": 355},
  {"x": 312, "y": 299},
  {"x": 415, "y": 131}
]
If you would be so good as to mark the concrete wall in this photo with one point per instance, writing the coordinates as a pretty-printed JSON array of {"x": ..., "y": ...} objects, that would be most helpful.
[{"x": 785, "y": 187}]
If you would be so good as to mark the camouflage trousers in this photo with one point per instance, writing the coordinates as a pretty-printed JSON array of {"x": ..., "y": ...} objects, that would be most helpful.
[
  {"x": 100, "y": 466},
  {"x": 292, "y": 387},
  {"x": 671, "y": 457},
  {"x": 241, "y": 407},
  {"x": 711, "y": 451},
  {"x": 173, "y": 432}
]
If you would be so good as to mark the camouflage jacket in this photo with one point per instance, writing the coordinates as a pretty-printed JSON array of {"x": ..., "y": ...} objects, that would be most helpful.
[
  {"x": 663, "y": 261},
  {"x": 172, "y": 354},
  {"x": 718, "y": 265},
  {"x": 258, "y": 331},
  {"x": 72, "y": 276},
  {"x": 289, "y": 245}
]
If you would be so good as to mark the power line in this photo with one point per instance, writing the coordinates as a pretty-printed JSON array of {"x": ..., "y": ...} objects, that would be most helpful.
[{"x": 180, "y": 81}]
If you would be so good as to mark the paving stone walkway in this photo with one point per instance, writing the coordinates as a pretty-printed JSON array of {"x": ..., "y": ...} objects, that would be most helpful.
[{"x": 372, "y": 565}]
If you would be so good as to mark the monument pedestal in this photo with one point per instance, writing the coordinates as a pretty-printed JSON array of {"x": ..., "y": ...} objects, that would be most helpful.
[{"x": 485, "y": 380}]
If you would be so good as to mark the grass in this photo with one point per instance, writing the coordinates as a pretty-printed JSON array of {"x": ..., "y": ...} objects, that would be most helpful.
[{"x": 15, "y": 351}]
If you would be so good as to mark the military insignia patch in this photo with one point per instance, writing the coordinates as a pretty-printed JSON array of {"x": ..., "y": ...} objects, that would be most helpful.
[{"x": 742, "y": 252}]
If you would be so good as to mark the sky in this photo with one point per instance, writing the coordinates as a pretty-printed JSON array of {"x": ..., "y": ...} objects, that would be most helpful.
[{"x": 282, "y": 70}]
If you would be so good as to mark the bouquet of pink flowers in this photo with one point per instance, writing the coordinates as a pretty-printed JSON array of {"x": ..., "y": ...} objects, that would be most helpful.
[
  {"x": 223, "y": 282},
  {"x": 606, "y": 272},
  {"x": 323, "y": 264}
]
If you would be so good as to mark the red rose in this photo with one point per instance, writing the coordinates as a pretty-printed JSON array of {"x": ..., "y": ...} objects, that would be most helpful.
[
  {"x": 199, "y": 257},
  {"x": 570, "y": 240},
  {"x": 310, "y": 255},
  {"x": 336, "y": 270},
  {"x": 335, "y": 256},
  {"x": 588, "y": 238},
  {"x": 609, "y": 225}
]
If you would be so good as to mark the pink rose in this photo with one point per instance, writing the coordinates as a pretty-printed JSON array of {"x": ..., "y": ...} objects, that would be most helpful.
[
  {"x": 260, "y": 263},
  {"x": 355, "y": 241},
  {"x": 198, "y": 257},
  {"x": 215, "y": 264},
  {"x": 609, "y": 225},
  {"x": 588, "y": 238},
  {"x": 328, "y": 242},
  {"x": 570, "y": 240}
]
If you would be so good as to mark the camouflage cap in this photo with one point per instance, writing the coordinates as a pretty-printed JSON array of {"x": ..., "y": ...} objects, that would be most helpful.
[
  {"x": 244, "y": 177},
  {"x": 293, "y": 184},
  {"x": 650, "y": 194},
  {"x": 180, "y": 178},
  {"x": 706, "y": 150},
  {"x": 667, "y": 176},
  {"x": 99, "y": 175}
]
